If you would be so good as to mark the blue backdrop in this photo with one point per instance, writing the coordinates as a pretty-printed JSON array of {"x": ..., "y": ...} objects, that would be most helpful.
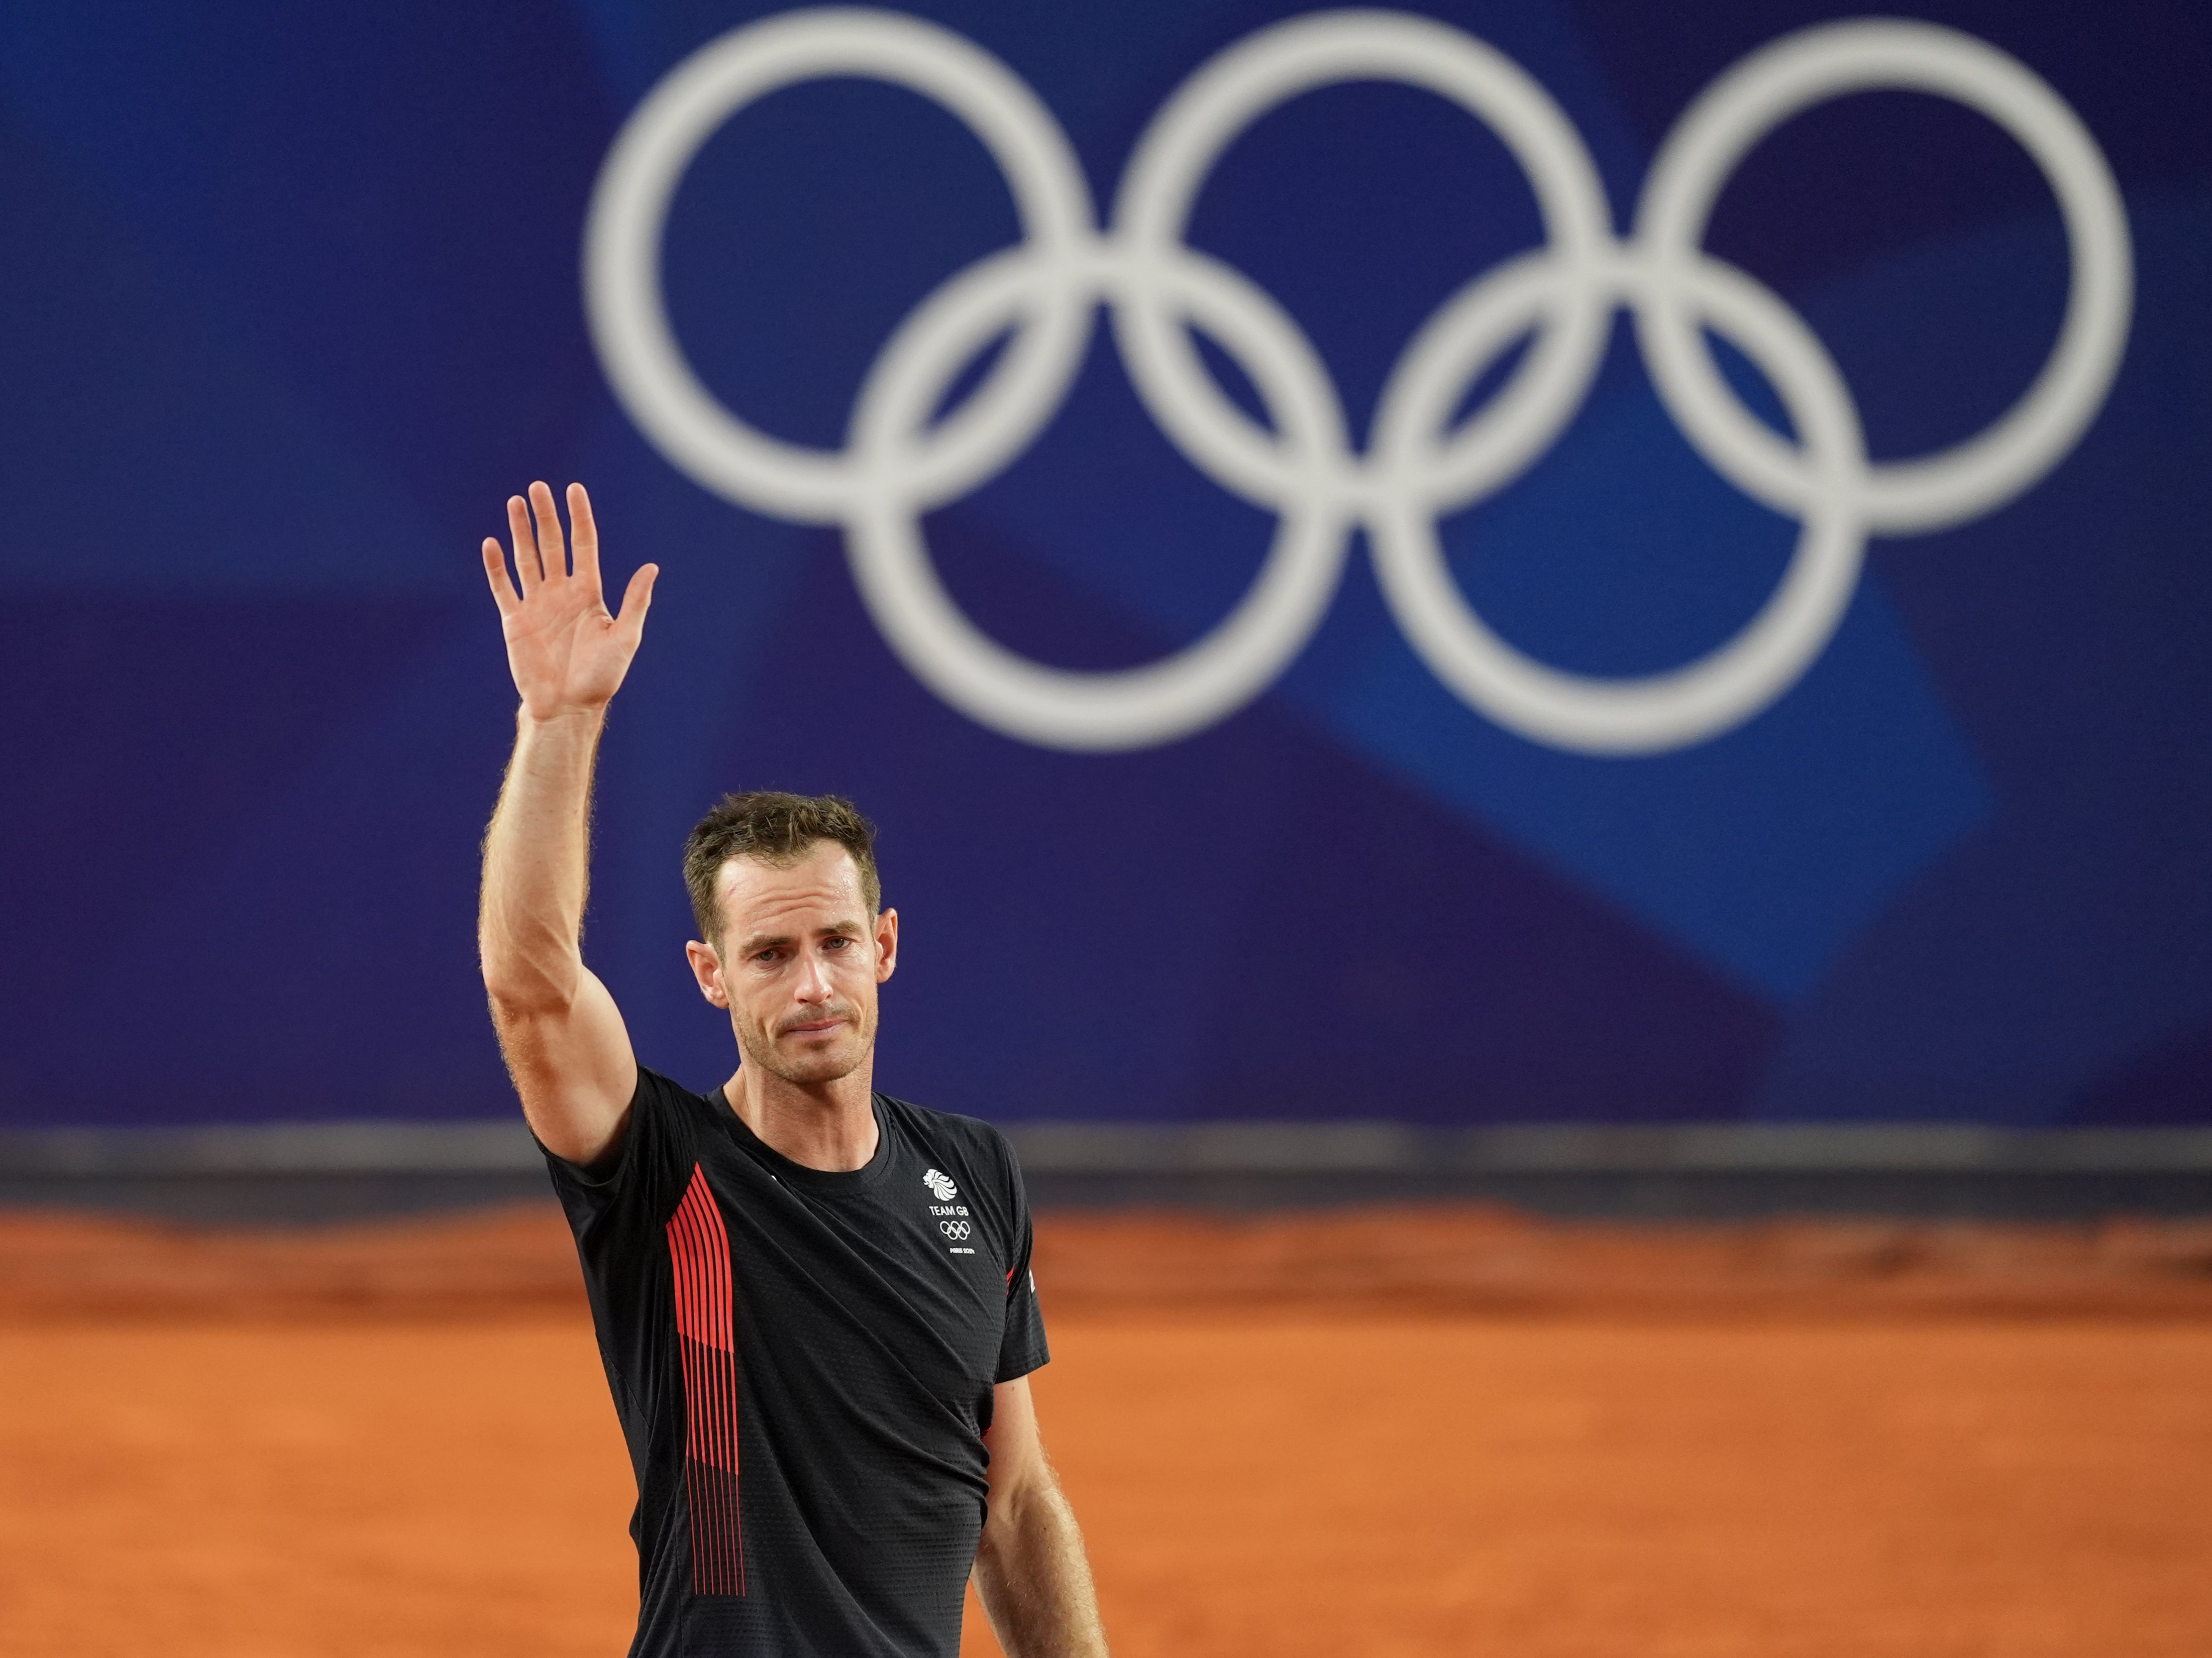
[{"x": 294, "y": 299}]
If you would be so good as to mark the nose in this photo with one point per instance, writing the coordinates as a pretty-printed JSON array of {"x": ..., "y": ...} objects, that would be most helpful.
[{"x": 813, "y": 980}]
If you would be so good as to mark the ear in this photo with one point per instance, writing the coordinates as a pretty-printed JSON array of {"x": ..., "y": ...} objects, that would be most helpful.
[
  {"x": 886, "y": 945},
  {"x": 706, "y": 968}
]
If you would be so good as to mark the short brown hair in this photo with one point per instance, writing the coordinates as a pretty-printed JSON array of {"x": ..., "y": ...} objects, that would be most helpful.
[{"x": 779, "y": 829}]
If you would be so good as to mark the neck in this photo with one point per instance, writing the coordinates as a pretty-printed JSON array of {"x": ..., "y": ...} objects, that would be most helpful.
[{"x": 831, "y": 1127}]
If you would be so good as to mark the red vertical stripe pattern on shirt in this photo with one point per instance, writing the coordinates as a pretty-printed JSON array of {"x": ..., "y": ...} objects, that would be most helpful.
[{"x": 706, "y": 1337}]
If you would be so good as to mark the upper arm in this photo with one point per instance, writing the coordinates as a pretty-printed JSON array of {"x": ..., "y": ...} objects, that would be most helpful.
[{"x": 574, "y": 1067}]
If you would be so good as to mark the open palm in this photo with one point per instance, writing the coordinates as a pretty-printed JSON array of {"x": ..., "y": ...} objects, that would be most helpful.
[{"x": 567, "y": 653}]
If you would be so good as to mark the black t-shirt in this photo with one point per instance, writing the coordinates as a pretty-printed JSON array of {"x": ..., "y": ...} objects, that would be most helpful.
[{"x": 803, "y": 1364}]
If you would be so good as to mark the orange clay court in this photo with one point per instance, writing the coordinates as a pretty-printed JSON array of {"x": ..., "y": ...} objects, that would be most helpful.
[{"x": 1482, "y": 1435}]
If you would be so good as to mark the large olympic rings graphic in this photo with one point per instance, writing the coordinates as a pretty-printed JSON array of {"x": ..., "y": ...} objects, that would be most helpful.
[{"x": 1043, "y": 296}]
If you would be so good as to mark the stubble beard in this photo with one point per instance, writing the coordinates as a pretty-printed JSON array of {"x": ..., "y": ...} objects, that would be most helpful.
[{"x": 824, "y": 1065}]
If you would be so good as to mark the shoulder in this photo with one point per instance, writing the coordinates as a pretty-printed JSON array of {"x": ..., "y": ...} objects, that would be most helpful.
[
  {"x": 657, "y": 1092},
  {"x": 663, "y": 1111},
  {"x": 660, "y": 1134},
  {"x": 984, "y": 1154}
]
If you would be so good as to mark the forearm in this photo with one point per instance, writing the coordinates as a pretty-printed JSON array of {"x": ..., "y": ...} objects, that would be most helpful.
[
  {"x": 1035, "y": 1578},
  {"x": 536, "y": 863}
]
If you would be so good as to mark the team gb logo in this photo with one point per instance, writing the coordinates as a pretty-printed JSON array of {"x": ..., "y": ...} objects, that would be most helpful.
[{"x": 941, "y": 1184}]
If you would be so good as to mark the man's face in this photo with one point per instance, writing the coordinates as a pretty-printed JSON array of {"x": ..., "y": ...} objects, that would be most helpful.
[{"x": 799, "y": 961}]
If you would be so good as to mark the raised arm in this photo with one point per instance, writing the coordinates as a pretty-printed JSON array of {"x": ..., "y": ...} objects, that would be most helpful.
[{"x": 563, "y": 1037}]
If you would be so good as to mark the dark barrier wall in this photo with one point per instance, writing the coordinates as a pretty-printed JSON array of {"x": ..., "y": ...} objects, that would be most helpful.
[{"x": 1601, "y": 779}]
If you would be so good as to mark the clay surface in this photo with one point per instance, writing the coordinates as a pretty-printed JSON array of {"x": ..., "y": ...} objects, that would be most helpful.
[{"x": 391, "y": 1459}]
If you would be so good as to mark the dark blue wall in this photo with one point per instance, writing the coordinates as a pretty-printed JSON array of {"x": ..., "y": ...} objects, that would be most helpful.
[{"x": 289, "y": 301}]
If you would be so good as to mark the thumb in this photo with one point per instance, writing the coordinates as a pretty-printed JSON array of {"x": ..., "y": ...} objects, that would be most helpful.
[{"x": 637, "y": 599}]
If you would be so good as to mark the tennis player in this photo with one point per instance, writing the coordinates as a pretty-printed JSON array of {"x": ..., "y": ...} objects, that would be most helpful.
[{"x": 813, "y": 1301}]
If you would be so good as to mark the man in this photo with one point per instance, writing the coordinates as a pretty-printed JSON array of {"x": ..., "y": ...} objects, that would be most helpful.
[{"x": 813, "y": 1301}]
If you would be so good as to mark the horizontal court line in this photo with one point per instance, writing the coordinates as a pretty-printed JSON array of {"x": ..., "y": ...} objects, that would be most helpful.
[{"x": 492, "y": 1146}]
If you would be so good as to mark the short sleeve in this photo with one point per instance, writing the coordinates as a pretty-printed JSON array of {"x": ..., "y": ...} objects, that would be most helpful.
[
  {"x": 1023, "y": 1348},
  {"x": 641, "y": 1180}
]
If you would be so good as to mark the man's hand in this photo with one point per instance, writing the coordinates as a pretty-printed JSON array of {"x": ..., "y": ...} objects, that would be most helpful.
[{"x": 567, "y": 653}]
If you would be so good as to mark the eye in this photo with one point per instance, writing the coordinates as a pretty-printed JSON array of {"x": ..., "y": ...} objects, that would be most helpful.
[{"x": 839, "y": 942}]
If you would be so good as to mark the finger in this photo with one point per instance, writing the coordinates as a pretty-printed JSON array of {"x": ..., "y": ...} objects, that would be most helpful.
[
  {"x": 583, "y": 535},
  {"x": 502, "y": 590},
  {"x": 550, "y": 546},
  {"x": 637, "y": 599},
  {"x": 525, "y": 546}
]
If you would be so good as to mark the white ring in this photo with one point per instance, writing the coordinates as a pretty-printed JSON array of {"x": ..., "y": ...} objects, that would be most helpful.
[
  {"x": 1814, "y": 64},
  {"x": 1224, "y": 97},
  {"x": 1134, "y": 707},
  {"x": 629, "y": 211},
  {"x": 1721, "y": 690}
]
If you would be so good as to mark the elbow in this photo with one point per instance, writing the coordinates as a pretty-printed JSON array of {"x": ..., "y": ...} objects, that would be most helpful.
[
  {"x": 520, "y": 995},
  {"x": 1000, "y": 1540},
  {"x": 1015, "y": 1508},
  {"x": 528, "y": 973}
]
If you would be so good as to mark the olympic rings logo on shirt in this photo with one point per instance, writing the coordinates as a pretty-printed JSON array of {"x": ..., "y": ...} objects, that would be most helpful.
[
  {"x": 956, "y": 1230},
  {"x": 1042, "y": 296}
]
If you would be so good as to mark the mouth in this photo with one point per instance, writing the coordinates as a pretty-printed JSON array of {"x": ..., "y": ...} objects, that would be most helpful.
[{"x": 816, "y": 1028}]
